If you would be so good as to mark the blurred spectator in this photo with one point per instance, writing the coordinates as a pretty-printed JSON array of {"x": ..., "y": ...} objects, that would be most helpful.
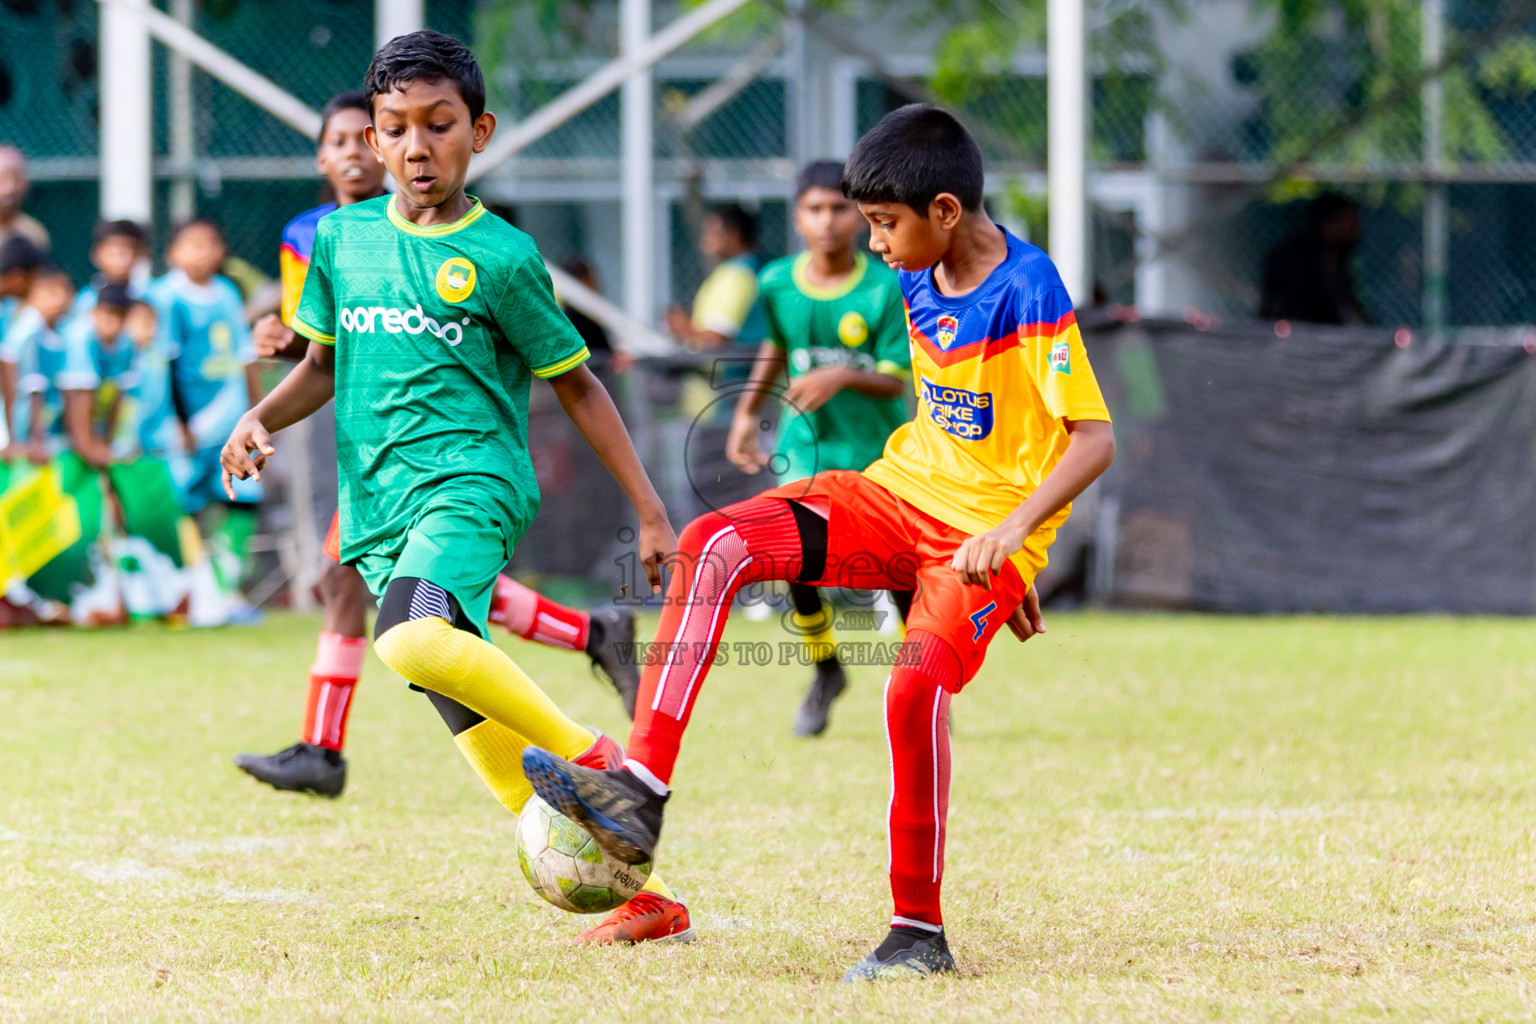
[
  {"x": 34, "y": 353},
  {"x": 98, "y": 360},
  {"x": 14, "y": 184},
  {"x": 726, "y": 310},
  {"x": 120, "y": 254},
  {"x": 1308, "y": 277},
  {"x": 214, "y": 380},
  {"x": 592, "y": 332},
  {"x": 20, "y": 261}
]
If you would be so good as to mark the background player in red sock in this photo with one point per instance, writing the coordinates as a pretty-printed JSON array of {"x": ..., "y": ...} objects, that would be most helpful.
[
  {"x": 315, "y": 764},
  {"x": 1010, "y": 427}
]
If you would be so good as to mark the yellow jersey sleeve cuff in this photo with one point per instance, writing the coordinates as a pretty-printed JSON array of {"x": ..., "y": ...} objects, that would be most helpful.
[
  {"x": 312, "y": 333},
  {"x": 563, "y": 366},
  {"x": 894, "y": 369}
]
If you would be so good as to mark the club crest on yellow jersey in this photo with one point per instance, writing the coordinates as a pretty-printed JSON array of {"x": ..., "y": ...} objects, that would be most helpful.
[
  {"x": 853, "y": 329},
  {"x": 948, "y": 328},
  {"x": 455, "y": 280}
]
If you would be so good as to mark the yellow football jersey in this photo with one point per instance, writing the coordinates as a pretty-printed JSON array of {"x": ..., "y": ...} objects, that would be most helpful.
[{"x": 997, "y": 373}]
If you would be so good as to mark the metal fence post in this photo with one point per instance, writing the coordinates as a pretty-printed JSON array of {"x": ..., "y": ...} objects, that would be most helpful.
[
  {"x": 1436, "y": 193},
  {"x": 636, "y": 118},
  {"x": 1067, "y": 141},
  {"x": 127, "y": 114},
  {"x": 397, "y": 18}
]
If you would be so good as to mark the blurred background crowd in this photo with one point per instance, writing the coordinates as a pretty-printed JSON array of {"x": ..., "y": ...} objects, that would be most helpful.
[{"x": 1253, "y": 167}]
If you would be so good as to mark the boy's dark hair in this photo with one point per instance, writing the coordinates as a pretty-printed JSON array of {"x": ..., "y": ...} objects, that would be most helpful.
[
  {"x": 352, "y": 99},
  {"x": 821, "y": 174},
  {"x": 425, "y": 56},
  {"x": 736, "y": 219},
  {"x": 912, "y": 155},
  {"x": 114, "y": 296},
  {"x": 131, "y": 230},
  {"x": 20, "y": 253},
  {"x": 195, "y": 222}
]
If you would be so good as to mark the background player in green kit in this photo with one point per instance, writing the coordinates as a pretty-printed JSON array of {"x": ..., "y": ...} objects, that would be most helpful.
[
  {"x": 428, "y": 317},
  {"x": 836, "y": 320}
]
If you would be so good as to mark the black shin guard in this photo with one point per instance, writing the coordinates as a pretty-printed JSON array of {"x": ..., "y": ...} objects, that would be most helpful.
[{"x": 408, "y": 598}]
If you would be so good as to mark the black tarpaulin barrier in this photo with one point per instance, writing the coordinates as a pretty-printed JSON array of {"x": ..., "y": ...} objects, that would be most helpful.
[{"x": 1325, "y": 470}]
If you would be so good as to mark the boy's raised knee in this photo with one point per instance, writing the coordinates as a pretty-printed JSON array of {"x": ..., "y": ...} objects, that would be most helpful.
[{"x": 415, "y": 650}]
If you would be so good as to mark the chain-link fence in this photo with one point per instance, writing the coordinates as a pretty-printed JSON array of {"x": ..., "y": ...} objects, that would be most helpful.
[
  {"x": 1422, "y": 114},
  {"x": 1210, "y": 131}
]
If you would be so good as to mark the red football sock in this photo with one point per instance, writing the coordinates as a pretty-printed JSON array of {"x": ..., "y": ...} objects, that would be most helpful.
[
  {"x": 533, "y": 616},
  {"x": 332, "y": 678},
  {"x": 718, "y": 554},
  {"x": 917, "y": 731}
]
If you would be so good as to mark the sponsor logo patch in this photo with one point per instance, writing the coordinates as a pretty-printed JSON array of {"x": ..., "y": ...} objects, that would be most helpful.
[
  {"x": 456, "y": 279},
  {"x": 363, "y": 320},
  {"x": 966, "y": 414},
  {"x": 1061, "y": 357}
]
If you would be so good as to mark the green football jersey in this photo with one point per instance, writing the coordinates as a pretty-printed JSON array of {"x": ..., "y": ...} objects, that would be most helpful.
[
  {"x": 860, "y": 323},
  {"x": 438, "y": 332}
]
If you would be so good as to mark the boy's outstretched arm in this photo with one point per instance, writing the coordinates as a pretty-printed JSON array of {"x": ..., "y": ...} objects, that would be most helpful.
[
  {"x": 1089, "y": 453},
  {"x": 815, "y": 388},
  {"x": 741, "y": 443},
  {"x": 586, "y": 402},
  {"x": 301, "y": 394}
]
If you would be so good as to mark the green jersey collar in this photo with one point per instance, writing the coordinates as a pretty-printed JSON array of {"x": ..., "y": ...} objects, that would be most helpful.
[
  {"x": 475, "y": 212},
  {"x": 837, "y": 291}
]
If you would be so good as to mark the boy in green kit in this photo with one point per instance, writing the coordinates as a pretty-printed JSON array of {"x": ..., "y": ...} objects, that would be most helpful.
[
  {"x": 428, "y": 317},
  {"x": 836, "y": 321}
]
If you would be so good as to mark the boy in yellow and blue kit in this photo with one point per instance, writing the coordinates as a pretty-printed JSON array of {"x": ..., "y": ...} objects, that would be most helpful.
[{"x": 962, "y": 507}]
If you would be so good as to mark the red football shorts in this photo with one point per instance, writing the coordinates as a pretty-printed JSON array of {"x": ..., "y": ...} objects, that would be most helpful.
[
  {"x": 877, "y": 541},
  {"x": 332, "y": 546}
]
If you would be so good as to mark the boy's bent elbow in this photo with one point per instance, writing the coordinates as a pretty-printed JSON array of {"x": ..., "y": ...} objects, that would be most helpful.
[
  {"x": 1110, "y": 447},
  {"x": 1099, "y": 437}
]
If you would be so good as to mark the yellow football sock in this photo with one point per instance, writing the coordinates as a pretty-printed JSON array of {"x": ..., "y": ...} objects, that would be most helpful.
[
  {"x": 496, "y": 754},
  {"x": 455, "y": 663},
  {"x": 816, "y": 633}
]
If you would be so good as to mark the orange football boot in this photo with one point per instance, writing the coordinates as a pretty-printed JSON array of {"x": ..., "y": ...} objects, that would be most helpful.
[{"x": 646, "y": 918}]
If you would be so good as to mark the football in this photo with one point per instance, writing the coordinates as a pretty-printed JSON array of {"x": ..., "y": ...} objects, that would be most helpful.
[{"x": 564, "y": 865}]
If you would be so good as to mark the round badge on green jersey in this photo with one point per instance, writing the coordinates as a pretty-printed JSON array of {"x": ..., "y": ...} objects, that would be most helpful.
[
  {"x": 852, "y": 330},
  {"x": 455, "y": 279}
]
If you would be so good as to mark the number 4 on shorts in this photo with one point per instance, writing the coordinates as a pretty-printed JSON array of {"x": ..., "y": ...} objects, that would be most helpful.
[{"x": 979, "y": 620}]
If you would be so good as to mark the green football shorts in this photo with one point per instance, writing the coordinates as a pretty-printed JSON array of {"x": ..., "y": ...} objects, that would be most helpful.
[{"x": 457, "y": 546}]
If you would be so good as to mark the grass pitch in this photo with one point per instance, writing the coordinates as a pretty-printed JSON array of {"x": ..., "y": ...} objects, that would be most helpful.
[{"x": 1154, "y": 818}]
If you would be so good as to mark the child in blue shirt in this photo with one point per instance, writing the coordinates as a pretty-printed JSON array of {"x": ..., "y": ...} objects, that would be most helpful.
[
  {"x": 34, "y": 355},
  {"x": 212, "y": 384},
  {"x": 97, "y": 374}
]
